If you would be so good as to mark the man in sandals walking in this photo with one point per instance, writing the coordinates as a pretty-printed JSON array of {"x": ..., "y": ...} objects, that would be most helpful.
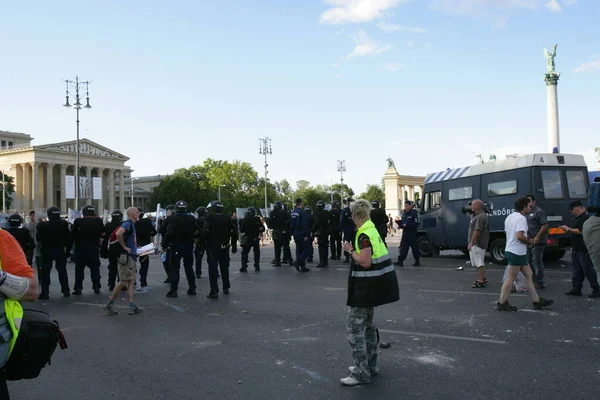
[
  {"x": 479, "y": 235},
  {"x": 517, "y": 242}
]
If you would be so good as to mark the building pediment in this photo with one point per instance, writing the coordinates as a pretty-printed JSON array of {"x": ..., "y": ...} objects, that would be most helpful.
[{"x": 86, "y": 148}]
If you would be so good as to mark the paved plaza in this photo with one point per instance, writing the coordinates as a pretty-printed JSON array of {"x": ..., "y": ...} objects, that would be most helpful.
[{"x": 281, "y": 335}]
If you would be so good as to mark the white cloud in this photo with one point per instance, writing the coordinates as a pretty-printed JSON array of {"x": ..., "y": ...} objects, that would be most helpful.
[
  {"x": 365, "y": 46},
  {"x": 553, "y": 6},
  {"x": 385, "y": 26},
  {"x": 588, "y": 66},
  {"x": 393, "y": 67},
  {"x": 356, "y": 11}
]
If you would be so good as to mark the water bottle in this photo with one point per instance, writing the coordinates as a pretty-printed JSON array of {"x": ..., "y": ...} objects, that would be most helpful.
[{"x": 163, "y": 257}]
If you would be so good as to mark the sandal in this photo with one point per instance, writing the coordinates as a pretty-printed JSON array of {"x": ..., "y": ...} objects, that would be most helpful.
[{"x": 479, "y": 285}]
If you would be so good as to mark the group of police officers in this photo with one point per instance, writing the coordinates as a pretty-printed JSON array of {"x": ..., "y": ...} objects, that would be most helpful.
[{"x": 187, "y": 238}]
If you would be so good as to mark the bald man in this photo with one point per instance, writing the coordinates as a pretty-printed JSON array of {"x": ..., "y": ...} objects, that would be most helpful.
[{"x": 479, "y": 236}]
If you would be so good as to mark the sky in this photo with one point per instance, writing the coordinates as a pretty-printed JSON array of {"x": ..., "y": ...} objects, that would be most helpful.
[{"x": 429, "y": 83}]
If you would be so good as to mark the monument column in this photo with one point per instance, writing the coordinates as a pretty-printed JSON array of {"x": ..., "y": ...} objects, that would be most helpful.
[
  {"x": 551, "y": 79},
  {"x": 35, "y": 176},
  {"x": 392, "y": 186},
  {"x": 49, "y": 185},
  {"x": 121, "y": 189},
  {"x": 111, "y": 190},
  {"x": 101, "y": 200},
  {"x": 63, "y": 188}
]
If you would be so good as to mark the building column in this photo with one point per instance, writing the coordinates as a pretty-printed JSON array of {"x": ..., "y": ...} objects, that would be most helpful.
[
  {"x": 18, "y": 186},
  {"x": 35, "y": 185},
  {"x": 411, "y": 192},
  {"x": 26, "y": 186},
  {"x": 49, "y": 185},
  {"x": 63, "y": 188},
  {"x": 101, "y": 200},
  {"x": 111, "y": 190},
  {"x": 121, "y": 189}
]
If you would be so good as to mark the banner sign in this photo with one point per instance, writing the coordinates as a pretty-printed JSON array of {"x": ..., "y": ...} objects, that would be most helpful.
[
  {"x": 69, "y": 186},
  {"x": 97, "y": 188}
]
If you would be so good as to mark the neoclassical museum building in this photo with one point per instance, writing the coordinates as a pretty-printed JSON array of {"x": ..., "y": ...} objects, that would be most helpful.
[{"x": 44, "y": 175}]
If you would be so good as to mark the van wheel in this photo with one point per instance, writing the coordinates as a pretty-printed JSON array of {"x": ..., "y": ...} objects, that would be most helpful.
[
  {"x": 554, "y": 255},
  {"x": 497, "y": 250},
  {"x": 426, "y": 248}
]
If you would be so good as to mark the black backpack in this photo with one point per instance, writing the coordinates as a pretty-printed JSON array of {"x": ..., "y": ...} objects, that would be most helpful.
[{"x": 37, "y": 340}]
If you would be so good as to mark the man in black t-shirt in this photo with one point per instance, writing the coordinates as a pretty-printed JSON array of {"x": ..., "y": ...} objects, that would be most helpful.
[{"x": 582, "y": 263}]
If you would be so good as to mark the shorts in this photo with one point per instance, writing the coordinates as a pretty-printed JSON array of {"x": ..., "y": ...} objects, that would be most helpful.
[
  {"x": 516, "y": 259},
  {"x": 477, "y": 256},
  {"x": 126, "y": 267}
]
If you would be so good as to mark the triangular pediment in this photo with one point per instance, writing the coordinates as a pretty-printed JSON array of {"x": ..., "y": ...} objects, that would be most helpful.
[{"x": 86, "y": 148}]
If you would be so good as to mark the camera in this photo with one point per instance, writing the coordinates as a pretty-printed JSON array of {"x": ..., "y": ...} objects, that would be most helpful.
[{"x": 487, "y": 208}]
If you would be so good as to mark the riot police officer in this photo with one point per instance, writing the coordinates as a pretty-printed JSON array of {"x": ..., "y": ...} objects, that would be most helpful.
[
  {"x": 181, "y": 232},
  {"x": 287, "y": 236},
  {"x": 87, "y": 231},
  {"x": 379, "y": 219},
  {"x": 279, "y": 222},
  {"x": 250, "y": 227},
  {"x": 199, "y": 249},
  {"x": 347, "y": 227},
  {"x": 55, "y": 241},
  {"x": 116, "y": 219},
  {"x": 311, "y": 222},
  {"x": 166, "y": 254},
  {"x": 21, "y": 234},
  {"x": 301, "y": 231},
  {"x": 144, "y": 232},
  {"x": 219, "y": 233},
  {"x": 335, "y": 239},
  {"x": 321, "y": 231},
  {"x": 409, "y": 224}
]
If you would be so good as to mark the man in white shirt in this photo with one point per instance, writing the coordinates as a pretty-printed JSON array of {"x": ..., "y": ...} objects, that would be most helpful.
[{"x": 517, "y": 242}]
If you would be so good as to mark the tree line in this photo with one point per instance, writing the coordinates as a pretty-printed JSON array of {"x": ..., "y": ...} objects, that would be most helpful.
[{"x": 241, "y": 186}]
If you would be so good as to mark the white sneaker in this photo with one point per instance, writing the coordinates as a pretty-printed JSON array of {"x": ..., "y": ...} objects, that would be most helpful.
[
  {"x": 350, "y": 381},
  {"x": 352, "y": 368}
]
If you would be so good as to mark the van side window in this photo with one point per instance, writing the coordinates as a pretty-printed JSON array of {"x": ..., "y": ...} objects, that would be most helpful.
[
  {"x": 552, "y": 184},
  {"x": 433, "y": 200},
  {"x": 576, "y": 184},
  {"x": 502, "y": 188},
  {"x": 463, "y": 193}
]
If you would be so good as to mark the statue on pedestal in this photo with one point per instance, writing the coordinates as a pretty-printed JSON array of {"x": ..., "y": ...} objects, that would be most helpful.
[
  {"x": 391, "y": 163},
  {"x": 550, "y": 66}
]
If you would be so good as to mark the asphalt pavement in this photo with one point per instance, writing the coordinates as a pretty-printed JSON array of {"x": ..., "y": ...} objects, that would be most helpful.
[{"x": 280, "y": 334}]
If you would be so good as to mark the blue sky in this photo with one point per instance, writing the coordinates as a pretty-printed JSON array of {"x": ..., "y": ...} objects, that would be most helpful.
[{"x": 428, "y": 82}]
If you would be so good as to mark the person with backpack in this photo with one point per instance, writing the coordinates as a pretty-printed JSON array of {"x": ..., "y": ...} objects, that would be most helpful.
[
  {"x": 116, "y": 219},
  {"x": 123, "y": 244},
  {"x": 17, "y": 283}
]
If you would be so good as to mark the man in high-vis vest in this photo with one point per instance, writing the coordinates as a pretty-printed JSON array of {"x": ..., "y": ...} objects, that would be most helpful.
[
  {"x": 17, "y": 283},
  {"x": 372, "y": 282}
]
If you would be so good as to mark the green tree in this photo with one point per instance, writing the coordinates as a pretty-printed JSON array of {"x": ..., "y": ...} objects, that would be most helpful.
[
  {"x": 9, "y": 183},
  {"x": 374, "y": 192},
  {"x": 342, "y": 191}
]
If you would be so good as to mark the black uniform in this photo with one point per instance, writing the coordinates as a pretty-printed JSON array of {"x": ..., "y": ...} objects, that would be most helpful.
[
  {"x": 112, "y": 260},
  {"x": 335, "y": 236},
  {"x": 87, "y": 232},
  {"x": 200, "y": 248},
  {"x": 280, "y": 223},
  {"x": 24, "y": 238},
  {"x": 219, "y": 233},
  {"x": 320, "y": 229},
  {"x": 144, "y": 231},
  {"x": 380, "y": 220},
  {"x": 250, "y": 227},
  {"x": 166, "y": 256},
  {"x": 311, "y": 250},
  {"x": 55, "y": 242},
  {"x": 348, "y": 228},
  {"x": 181, "y": 232}
]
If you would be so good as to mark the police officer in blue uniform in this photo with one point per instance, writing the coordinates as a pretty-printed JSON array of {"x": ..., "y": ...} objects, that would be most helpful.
[
  {"x": 409, "y": 224},
  {"x": 301, "y": 232},
  {"x": 347, "y": 227},
  {"x": 87, "y": 232}
]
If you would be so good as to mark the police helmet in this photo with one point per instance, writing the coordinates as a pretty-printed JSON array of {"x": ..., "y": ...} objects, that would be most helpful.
[
  {"x": 201, "y": 211},
  {"x": 181, "y": 206},
  {"x": 53, "y": 213},
  {"x": 88, "y": 211},
  {"x": 170, "y": 209},
  {"x": 348, "y": 200},
  {"x": 141, "y": 212},
  {"x": 15, "y": 220},
  {"x": 320, "y": 205},
  {"x": 216, "y": 206},
  {"x": 277, "y": 206},
  {"x": 375, "y": 204},
  {"x": 335, "y": 204},
  {"x": 594, "y": 199},
  {"x": 308, "y": 209},
  {"x": 116, "y": 216},
  {"x": 250, "y": 212},
  {"x": 284, "y": 207}
]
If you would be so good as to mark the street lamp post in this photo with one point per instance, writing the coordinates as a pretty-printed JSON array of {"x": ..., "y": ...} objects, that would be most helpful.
[
  {"x": 265, "y": 148},
  {"x": 70, "y": 86},
  {"x": 132, "y": 179},
  {"x": 341, "y": 167}
]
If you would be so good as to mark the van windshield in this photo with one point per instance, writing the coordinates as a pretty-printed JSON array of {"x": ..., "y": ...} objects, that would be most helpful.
[
  {"x": 552, "y": 184},
  {"x": 576, "y": 184}
]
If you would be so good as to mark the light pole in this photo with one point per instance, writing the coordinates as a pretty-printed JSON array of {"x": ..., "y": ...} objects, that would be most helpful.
[
  {"x": 341, "y": 167},
  {"x": 132, "y": 179},
  {"x": 75, "y": 85},
  {"x": 265, "y": 148},
  {"x": 219, "y": 194}
]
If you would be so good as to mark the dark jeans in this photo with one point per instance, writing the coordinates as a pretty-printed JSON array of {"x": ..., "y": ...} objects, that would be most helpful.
[
  {"x": 409, "y": 240},
  {"x": 183, "y": 252},
  {"x": 112, "y": 272},
  {"x": 87, "y": 257},
  {"x": 144, "y": 266},
  {"x": 287, "y": 251},
  {"x": 56, "y": 255},
  {"x": 302, "y": 249},
  {"x": 583, "y": 268},
  {"x": 335, "y": 245},
  {"x": 535, "y": 257},
  {"x": 253, "y": 244},
  {"x": 218, "y": 257},
  {"x": 199, "y": 254},
  {"x": 323, "y": 249},
  {"x": 167, "y": 263}
]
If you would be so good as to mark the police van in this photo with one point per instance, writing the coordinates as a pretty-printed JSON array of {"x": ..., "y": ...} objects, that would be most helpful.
[{"x": 553, "y": 179}]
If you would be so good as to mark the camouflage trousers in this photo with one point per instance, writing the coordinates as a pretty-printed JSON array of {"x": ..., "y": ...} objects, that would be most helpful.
[{"x": 362, "y": 336}]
